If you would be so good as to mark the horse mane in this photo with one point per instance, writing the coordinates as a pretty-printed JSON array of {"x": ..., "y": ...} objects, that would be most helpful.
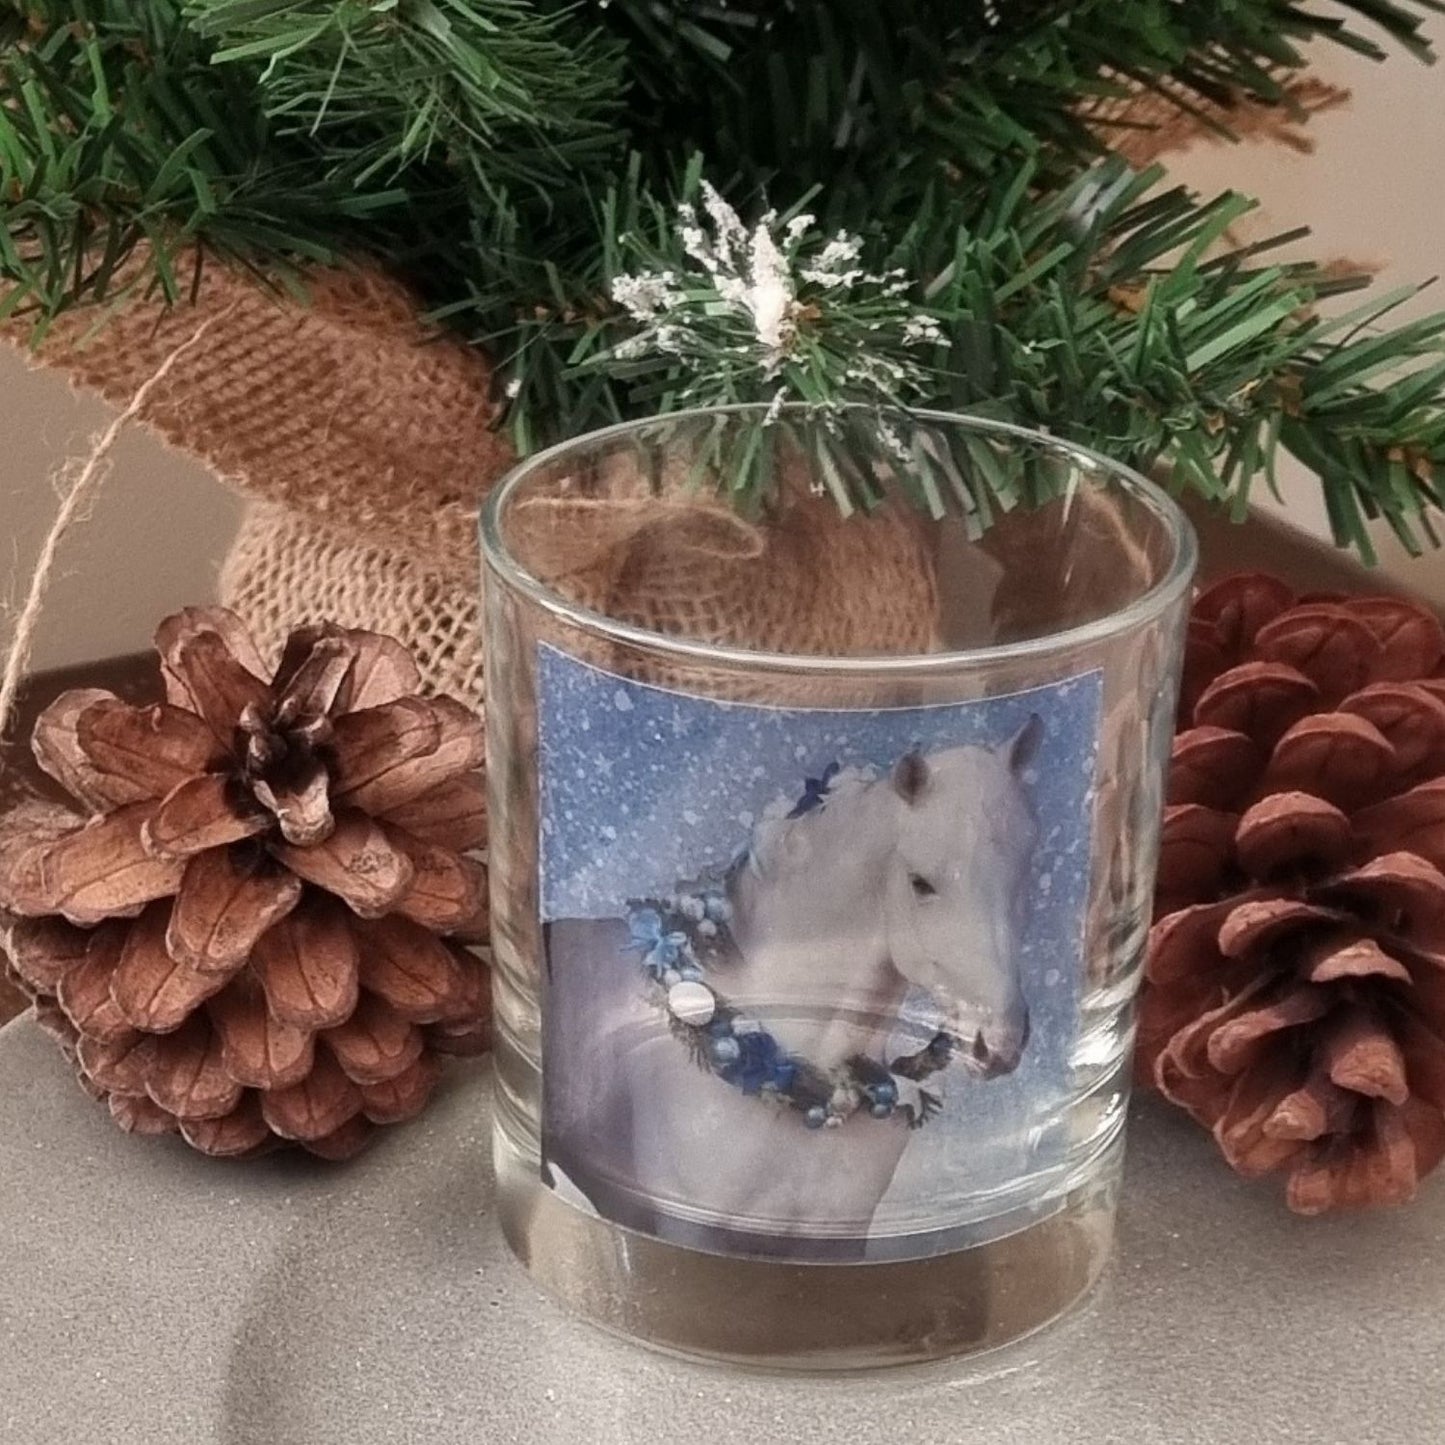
[{"x": 777, "y": 827}]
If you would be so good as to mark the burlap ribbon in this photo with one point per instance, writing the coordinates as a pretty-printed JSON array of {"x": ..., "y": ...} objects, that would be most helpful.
[{"x": 367, "y": 442}]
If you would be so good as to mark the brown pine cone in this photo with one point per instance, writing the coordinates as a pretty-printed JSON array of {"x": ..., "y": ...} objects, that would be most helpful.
[
  {"x": 1294, "y": 997},
  {"x": 242, "y": 937}
]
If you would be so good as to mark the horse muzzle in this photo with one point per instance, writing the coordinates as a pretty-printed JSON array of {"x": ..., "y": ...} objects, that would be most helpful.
[{"x": 995, "y": 1047}]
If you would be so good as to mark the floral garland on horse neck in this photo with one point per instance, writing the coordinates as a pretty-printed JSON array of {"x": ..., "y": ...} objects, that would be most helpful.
[{"x": 684, "y": 937}]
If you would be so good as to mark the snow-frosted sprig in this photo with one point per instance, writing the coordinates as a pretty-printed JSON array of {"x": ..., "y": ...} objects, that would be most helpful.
[
  {"x": 649, "y": 296},
  {"x": 779, "y": 311},
  {"x": 711, "y": 310}
]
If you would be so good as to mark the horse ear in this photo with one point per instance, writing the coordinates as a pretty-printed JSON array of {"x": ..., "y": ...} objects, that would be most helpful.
[
  {"x": 1023, "y": 747},
  {"x": 910, "y": 775}
]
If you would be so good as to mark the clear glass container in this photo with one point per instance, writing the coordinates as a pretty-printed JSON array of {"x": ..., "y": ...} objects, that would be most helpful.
[{"x": 822, "y": 851}]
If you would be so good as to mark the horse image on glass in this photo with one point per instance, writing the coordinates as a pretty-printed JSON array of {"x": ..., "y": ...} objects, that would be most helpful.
[{"x": 797, "y": 989}]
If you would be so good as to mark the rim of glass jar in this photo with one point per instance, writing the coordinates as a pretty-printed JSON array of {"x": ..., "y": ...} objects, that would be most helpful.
[{"x": 1147, "y": 606}]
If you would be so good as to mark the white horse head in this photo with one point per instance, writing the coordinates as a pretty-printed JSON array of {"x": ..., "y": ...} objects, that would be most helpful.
[
  {"x": 916, "y": 877},
  {"x": 954, "y": 891}
]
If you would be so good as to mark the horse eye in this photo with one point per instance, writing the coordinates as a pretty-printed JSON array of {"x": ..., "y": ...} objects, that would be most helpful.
[{"x": 922, "y": 888}]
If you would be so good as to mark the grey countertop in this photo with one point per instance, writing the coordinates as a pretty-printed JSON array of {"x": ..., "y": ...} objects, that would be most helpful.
[{"x": 151, "y": 1296}]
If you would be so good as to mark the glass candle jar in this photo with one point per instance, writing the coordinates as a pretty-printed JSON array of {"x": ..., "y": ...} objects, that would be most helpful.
[{"x": 822, "y": 851}]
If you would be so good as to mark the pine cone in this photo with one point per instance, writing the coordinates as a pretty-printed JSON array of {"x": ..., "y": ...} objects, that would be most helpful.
[
  {"x": 1294, "y": 1000},
  {"x": 241, "y": 939}
]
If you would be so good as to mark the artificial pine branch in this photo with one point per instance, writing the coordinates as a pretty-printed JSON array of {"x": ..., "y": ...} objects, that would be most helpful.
[
  {"x": 851, "y": 90},
  {"x": 1108, "y": 303},
  {"x": 116, "y": 137},
  {"x": 241, "y": 123},
  {"x": 510, "y": 158},
  {"x": 494, "y": 86}
]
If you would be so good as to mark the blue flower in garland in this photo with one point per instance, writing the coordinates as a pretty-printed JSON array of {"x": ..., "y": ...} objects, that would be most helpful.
[
  {"x": 761, "y": 1063},
  {"x": 660, "y": 949},
  {"x": 815, "y": 790}
]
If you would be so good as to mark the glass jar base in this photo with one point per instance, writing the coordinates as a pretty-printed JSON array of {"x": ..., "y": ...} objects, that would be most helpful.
[{"x": 771, "y": 1315}]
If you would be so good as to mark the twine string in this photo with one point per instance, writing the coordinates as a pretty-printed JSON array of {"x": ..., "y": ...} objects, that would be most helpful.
[{"x": 72, "y": 508}]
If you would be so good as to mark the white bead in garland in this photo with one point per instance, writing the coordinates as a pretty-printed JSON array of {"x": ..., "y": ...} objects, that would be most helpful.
[{"x": 691, "y": 1003}]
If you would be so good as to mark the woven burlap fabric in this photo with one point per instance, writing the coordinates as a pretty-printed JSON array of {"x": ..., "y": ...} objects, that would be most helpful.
[
  {"x": 342, "y": 405},
  {"x": 365, "y": 439},
  {"x": 287, "y": 567},
  {"x": 638, "y": 539},
  {"x": 368, "y": 442}
]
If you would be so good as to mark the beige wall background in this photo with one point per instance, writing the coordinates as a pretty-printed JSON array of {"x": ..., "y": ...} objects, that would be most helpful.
[
  {"x": 152, "y": 542},
  {"x": 1374, "y": 189}
]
